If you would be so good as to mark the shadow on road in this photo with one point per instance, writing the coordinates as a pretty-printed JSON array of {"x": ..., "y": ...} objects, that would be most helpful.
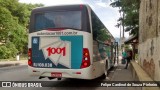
[
  {"x": 77, "y": 84},
  {"x": 80, "y": 84}
]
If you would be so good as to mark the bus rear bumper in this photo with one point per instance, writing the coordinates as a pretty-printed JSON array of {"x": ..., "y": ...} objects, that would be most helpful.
[{"x": 85, "y": 73}]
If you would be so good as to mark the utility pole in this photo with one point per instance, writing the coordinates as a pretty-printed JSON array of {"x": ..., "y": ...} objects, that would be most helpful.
[
  {"x": 123, "y": 32},
  {"x": 123, "y": 25}
]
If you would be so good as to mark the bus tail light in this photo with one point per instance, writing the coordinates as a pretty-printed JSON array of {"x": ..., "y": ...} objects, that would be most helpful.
[
  {"x": 81, "y": 7},
  {"x": 86, "y": 58},
  {"x": 30, "y": 63}
]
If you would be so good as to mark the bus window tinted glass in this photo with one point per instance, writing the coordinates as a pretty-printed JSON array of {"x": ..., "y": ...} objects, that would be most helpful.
[{"x": 65, "y": 19}]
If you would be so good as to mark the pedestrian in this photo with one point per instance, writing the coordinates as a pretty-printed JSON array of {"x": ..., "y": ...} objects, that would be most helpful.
[
  {"x": 129, "y": 58},
  {"x": 124, "y": 55}
]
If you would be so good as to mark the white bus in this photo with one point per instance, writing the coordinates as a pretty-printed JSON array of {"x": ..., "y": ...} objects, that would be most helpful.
[{"x": 63, "y": 43}]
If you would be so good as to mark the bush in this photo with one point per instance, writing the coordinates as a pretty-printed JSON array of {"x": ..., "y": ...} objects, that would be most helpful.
[
  {"x": 8, "y": 51},
  {"x": 3, "y": 52}
]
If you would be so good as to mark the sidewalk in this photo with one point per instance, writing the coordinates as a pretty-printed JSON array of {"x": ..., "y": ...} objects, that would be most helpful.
[
  {"x": 12, "y": 63},
  {"x": 122, "y": 74}
]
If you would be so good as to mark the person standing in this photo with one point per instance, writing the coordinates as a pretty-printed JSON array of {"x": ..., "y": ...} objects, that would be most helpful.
[
  {"x": 129, "y": 58},
  {"x": 124, "y": 55}
]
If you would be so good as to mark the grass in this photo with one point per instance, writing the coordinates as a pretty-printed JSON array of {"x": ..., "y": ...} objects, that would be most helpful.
[{"x": 22, "y": 57}]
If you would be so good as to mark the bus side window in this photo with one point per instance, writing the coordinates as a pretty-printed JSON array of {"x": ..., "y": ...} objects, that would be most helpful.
[
  {"x": 96, "y": 56},
  {"x": 102, "y": 51}
]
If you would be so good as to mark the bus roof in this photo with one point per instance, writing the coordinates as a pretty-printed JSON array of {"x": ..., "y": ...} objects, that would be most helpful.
[
  {"x": 64, "y": 8},
  {"x": 60, "y": 7}
]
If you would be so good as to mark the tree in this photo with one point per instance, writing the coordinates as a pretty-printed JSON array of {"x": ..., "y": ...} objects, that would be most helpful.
[
  {"x": 7, "y": 23},
  {"x": 100, "y": 32},
  {"x": 14, "y": 18},
  {"x": 130, "y": 20},
  {"x": 103, "y": 35}
]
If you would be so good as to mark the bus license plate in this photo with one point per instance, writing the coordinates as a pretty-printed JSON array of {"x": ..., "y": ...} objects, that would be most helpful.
[{"x": 56, "y": 74}]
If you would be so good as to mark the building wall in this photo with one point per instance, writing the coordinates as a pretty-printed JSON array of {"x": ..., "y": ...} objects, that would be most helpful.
[{"x": 149, "y": 37}]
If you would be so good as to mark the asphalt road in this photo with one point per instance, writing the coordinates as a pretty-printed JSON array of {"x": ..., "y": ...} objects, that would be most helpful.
[{"x": 20, "y": 73}]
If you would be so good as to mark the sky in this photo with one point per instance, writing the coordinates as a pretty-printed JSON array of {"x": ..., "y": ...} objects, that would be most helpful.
[{"x": 107, "y": 14}]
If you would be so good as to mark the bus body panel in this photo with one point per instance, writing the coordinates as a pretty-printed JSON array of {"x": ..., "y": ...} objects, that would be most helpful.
[
  {"x": 86, "y": 73},
  {"x": 73, "y": 58},
  {"x": 95, "y": 70},
  {"x": 67, "y": 63}
]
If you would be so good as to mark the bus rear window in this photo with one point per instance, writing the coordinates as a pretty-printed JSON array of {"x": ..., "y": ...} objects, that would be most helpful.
[{"x": 61, "y": 19}]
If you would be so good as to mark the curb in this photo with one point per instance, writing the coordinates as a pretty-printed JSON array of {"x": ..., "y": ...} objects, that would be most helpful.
[
  {"x": 8, "y": 64},
  {"x": 140, "y": 75}
]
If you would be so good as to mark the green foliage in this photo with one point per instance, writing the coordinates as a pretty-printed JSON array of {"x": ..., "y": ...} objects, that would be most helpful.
[
  {"x": 7, "y": 51},
  {"x": 14, "y": 18},
  {"x": 100, "y": 32},
  {"x": 96, "y": 26},
  {"x": 127, "y": 47},
  {"x": 103, "y": 35},
  {"x": 3, "y": 52},
  {"x": 130, "y": 8},
  {"x": 19, "y": 38}
]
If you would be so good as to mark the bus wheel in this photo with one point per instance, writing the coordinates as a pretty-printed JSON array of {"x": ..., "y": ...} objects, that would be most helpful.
[
  {"x": 106, "y": 68},
  {"x": 59, "y": 78},
  {"x": 105, "y": 72},
  {"x": 104, "y": 76}
]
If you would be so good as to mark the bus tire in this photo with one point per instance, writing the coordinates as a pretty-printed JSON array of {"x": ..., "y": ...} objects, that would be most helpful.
[
  {"x": 105, "y": 72},
  {"x": 106, "y": 69},
  {"x": 59, "y": 78},
  {"x": 103, "y": 76}
]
